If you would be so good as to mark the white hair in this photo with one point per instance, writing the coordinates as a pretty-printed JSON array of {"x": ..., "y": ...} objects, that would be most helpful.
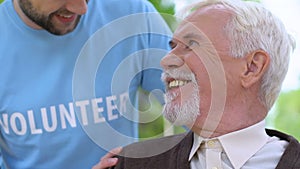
[{"x": 252, "y": 28}]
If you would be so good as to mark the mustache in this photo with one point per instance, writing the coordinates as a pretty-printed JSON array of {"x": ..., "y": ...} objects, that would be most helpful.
[
  {"x": 64, "y": 11},
  {"x": 177, "y": 74}
]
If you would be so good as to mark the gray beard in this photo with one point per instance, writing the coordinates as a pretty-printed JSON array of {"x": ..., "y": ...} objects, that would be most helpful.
[{"x": 185, "y": 114}]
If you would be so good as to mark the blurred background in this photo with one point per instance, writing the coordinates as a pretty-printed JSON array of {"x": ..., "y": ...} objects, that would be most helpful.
[{"x": 285, "y": 114}]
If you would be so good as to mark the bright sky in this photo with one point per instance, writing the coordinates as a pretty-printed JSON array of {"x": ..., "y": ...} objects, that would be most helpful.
[{"x": 288, "y": 11}]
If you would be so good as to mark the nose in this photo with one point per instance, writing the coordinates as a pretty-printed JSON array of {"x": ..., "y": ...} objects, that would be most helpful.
[
  {"x": 77, "y": 6},
  {"x": 171, "y": 61}
]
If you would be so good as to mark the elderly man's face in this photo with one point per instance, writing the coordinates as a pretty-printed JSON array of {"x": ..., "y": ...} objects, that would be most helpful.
[
  {"x": 56, "y": 16},
  {"x": 200, "y": 51}
]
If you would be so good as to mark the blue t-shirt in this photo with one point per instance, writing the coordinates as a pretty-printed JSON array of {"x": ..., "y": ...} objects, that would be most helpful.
[{"x": 66, "y": 100}]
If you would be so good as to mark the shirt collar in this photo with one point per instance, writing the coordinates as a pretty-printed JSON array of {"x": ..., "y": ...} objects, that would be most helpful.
[
  {"x": 240, "y": 145},
  {"x": 196, "y": 144}
]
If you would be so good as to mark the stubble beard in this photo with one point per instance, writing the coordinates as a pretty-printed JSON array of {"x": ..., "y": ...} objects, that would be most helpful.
[{"x": 44, "y": 21}]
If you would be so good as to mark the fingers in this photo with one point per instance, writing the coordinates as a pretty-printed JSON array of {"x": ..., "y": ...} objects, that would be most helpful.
[
  {"x": 112, "y": 152},
  {"x": 108, "y": 160},
  {"x": 105, "y": 163}
]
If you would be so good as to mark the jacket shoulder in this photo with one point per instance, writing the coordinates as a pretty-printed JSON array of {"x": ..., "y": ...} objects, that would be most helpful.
[
  {"x": 291, "y": 156},
  {"x": 153, "y": 147}
]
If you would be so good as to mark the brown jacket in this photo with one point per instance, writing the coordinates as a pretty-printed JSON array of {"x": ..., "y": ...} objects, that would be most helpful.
[{"x": 179, "y": 146}]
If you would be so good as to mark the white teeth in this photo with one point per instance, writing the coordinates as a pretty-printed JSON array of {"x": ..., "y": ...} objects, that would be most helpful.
[
  {"x": 177, "y": 83},
  {"x": 181, "y": 83},
  {"x": 65, "y": 16}
]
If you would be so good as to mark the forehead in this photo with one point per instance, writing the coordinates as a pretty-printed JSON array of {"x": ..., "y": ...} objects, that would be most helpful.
[{"x": 205, "y": 22}]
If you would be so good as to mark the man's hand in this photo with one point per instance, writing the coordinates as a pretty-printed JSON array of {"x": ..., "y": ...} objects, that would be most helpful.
[{"x": 108, "y": 160}]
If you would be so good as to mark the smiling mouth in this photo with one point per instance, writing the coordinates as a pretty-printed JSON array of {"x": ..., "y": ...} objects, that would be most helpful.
[
  {"x": 177, "y": 83},
  {"x": 65, "y": 15},
  {"x": 66, "y": 18}
]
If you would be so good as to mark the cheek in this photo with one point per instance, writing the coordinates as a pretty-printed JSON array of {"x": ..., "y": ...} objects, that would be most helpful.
[
  {"x": 204, "y": 84},
  {"x": 233, "y": 75},
  {"x": 195, "y": 64},
  {"x": 204, "y": 87},
  {"x": 201, "y": 74},
  {"x": 187, "y": 92},
  {"x": 48, "y": 7}
]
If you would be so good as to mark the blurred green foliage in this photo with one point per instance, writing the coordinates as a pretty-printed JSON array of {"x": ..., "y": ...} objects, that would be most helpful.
[
  {"x": 164, "y": 6},
  {"x": 287, "y": 113},
  {"x": 1, "y": 1},
  {"x": 167, "y": 10}
]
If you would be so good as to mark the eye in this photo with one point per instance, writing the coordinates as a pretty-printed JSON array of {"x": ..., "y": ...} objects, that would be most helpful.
[
  {"x": 172, "y": 44},
  {"x": 192, "y": 43}
]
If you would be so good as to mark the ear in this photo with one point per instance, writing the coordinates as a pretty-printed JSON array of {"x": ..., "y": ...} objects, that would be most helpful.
[{"x": 256, "y": 65}]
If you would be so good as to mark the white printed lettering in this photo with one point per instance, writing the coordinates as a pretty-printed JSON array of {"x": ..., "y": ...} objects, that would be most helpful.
[
  {"x": 124, "y": 98},
  {"x": 4, "y": 123},
  {"x": 82, "y": 105},
  {"x": 110, "y": 104},
  {"x": 13, "y": 122},
  {"x": 50, "y": 118},
  {"x": 98, "y": 117},
  {"x": 32, "y": 125},
  {"x": 45, "y": 120},
  {"x": 70, "y": 116}
]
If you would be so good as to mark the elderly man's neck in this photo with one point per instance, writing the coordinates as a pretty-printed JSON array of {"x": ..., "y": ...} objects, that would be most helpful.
[{"x": 236, "y": 116}]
